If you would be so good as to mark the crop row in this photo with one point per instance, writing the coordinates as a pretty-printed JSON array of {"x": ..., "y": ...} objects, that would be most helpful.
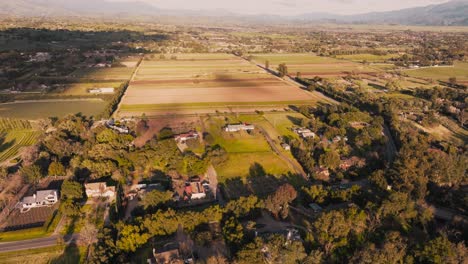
[{"x": 24, "y": 139}]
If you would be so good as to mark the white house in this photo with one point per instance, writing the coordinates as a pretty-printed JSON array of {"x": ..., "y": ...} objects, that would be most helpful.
[
  {"x": 104, "y": 90},
  {"x": 99, "y": 189},
  {"x": 239, "y": 127},
  {"x": 304, "y": 132},
  {"x": 40, "y": 199}
]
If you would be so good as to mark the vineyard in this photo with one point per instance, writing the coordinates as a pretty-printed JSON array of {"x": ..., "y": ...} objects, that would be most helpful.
[{"x": 15, "y": 134}]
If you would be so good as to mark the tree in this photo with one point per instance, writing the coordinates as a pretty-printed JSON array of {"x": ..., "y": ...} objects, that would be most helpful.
[
  {"x": 267, "y": 64},
  {"x": 282, "y": 70},
  {"x": 330, "y": 159},
  {"x": 165, "y": 133},
  {"x": 88, "y": 234},
  {"x": 278, "y": 203},
  {"x": 131, "y": 237},
  {"x": 453, "y": 81},
  {"x": 233, "y": 231},
  {"x": 32, "y": 173},
  {"x": 56, "y": 169},
  {"x": 29, "y": 155},
  {"x": 71, "y": 190},
  {"x": 156, "y": 198},
  {"x": 441, "y": 251}
]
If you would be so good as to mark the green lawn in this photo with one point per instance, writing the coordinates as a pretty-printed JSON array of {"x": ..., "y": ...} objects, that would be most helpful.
[{"x": 24, "y": 234}]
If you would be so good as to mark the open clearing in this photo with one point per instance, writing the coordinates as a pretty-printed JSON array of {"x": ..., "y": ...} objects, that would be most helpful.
[
  {"x": 51, "y": 108},
  {"x": 459, "y": 70},
  {"x": 310, "y": 65},
  {"x": 204, "y": 83}
]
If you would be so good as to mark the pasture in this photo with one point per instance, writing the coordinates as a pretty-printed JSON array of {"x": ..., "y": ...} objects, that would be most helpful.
[
  {"x": 51, "y": 108},
  {"x": 310, "y": 65},
  {"x": 459, "y": 70},
  {"x": 367, "y": 57},
  {"x": 245, "y": 149},
  {"x": 204, "y": 83}
]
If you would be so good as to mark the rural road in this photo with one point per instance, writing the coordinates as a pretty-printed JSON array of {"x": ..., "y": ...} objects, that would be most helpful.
[{"x": 35, "y": 243}]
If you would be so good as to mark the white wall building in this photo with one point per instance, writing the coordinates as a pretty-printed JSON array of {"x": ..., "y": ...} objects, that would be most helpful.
[{"x": 40, "y": 199}]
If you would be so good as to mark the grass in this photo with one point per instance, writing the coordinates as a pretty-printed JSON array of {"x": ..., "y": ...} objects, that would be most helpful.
[
  {"x": 244, "y": 149},
  {"x": 55, "y": 254},
  {"x": 119, "y": 73},
  {"x": 238, "y": 165},
  {"x": 367, "y": 57},
  {"x": 44, "y": 109},
  {"x": 24, "y": 234},
  {"x": 459, "y": 70}
]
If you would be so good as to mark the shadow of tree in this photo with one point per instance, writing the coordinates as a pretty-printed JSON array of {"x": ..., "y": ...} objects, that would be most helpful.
[{"x": 70, "y": 255}]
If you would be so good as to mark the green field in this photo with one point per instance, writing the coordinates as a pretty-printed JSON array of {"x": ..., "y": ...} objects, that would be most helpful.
[
  {"x": 443, "y": 73},
  {"x": 244, "y": 149},
  {"x": 310, "y": 65},
  {"x": 367, "y": 57},
  {"x": 119, "y": 73},
  {"x": 51, "y": 108},
  {"x": 14, "y": 140}
]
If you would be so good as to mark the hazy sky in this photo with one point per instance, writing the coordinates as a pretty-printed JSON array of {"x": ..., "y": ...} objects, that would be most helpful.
[{"x": 291, "y": 7}]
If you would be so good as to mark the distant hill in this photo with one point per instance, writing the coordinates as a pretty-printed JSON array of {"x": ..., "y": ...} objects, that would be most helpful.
[
  {"x": 74, "y": 7},
  {"x": 448, "y": 14}
]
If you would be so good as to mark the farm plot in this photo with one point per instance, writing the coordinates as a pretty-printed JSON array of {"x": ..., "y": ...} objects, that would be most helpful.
[
  {"x": 204, "y": 83},
  {"x": 245, "y": 150},
  {"x": 459, "y": 70},
  {"x": 83, "y": 88},
  {"x": 108, "y": 74},
  {"x": 310, "y": 65},
  {"x": 15, "y": 134},
  {"x": 51, "y": 108}
]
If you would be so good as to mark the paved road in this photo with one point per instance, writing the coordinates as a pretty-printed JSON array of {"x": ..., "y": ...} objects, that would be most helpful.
[{"x": 36, "y": 243}]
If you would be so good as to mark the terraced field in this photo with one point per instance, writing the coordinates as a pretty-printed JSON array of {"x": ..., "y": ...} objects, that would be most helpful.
[
  {"x": 310, "y": 65},
  {"x": 206, "y": 83},
  {"x": 15, "y": 134}
]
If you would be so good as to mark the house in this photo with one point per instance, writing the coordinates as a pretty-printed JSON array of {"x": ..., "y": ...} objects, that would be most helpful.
[
  {"x": 99, "y": 189},
  {"x": 186, "y": 136},
  {"x": 194, "y": 190},
  {"x": 40, "y": 199},
  {"x": 104, "y": 90},
  {"x": 322, "y": 174},
  {"x": 239, "y": 127},
  {"x": 119, "y": 128},
  {"x": 171, "y": 254}
]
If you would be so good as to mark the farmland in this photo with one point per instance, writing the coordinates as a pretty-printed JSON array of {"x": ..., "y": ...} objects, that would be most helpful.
[
  {"x": 310, "y": 65},
  {"x": 15, "y": 134},
  {"x": 459, "y": 70},
  {"x": 51, "y": 108},
  {"x": 213, "y": 81}
]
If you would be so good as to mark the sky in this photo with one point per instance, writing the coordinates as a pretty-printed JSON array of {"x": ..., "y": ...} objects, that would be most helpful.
[{"x": 290, "y": 7}]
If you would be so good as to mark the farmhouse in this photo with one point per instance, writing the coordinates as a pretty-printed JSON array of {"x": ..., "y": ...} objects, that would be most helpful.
[
  {"x": 239, "y": 127},
  {"x": 119, "y": 128},
  {"x": 352, "y": 162},
  {"x": 286, "y": 146},
  {"x": 40, "y": 199},
  {"x": 304, "y": 132},
  {"x": 194, "y": 190},
  {"x": 104, "y": 90},
  {"x": 186, "y": 136},
  {"x": 99, "y": 189}
]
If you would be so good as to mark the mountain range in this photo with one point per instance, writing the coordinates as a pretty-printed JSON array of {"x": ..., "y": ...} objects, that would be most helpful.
[{"x": 453, "y": 13}]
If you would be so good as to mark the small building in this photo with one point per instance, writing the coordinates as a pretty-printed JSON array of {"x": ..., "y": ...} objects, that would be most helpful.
[
  {"x": 186, "y": 136},
  {"x": 104, "y": 90},
  {"x": 304, "y": 132},
  {"x": 194, "y": 190},
  {"x": 239, "y": 127},
  {"x": 99, "y": 189},
  {"x": 40, "y": 199},
  {"x": 352, "y": 162},
  {"x": 119, "y": 128},
  {"x": 322, "y": 174},
  {"x": 285, "y": 146},
  {"x": 315, "y": 207}
]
